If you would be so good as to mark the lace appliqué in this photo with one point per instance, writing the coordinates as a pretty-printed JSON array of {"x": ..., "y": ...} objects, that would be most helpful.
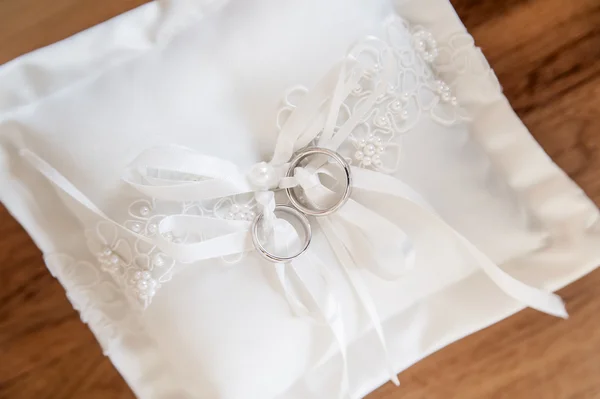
[
  {"x": 462, "y": 64},
  {"x": 422, "y": 79},
  {"x": 140, "y": 269},
  {"x": 137, "y": 267},
  {"x": 407, "y": 61},
  {"x": 101, "y": 303}
]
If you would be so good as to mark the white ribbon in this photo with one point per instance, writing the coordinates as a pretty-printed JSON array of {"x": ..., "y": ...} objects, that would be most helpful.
[
  {"x": 359, "y": 236},
  {"x": 316, "y": 279},
  {"x": 372, "y": 224},
  {"x": 377, "y": 230},
  {"x": 228, "y": 237}
]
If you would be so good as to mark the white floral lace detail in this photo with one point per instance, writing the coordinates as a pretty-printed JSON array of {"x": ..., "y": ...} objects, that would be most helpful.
[
  {"x": 461, "y": 63},
  {"x": 139, "y": 268},
  {"x": 145, "y": 215},
  {"x": 101, "y": 303},
  {"x": 424, "y": 81},
  {"x": 414, "y": 89}
]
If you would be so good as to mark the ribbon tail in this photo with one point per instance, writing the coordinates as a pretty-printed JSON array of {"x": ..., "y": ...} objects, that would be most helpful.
[
  {"x": 305, "y": 270},
  {"x": 61, "y": 182},
  {"x": 298, "y": 308},
  {"x": 395, "y": 251},
  {"x": 350, "y": 269},
  {"x": 535, "y": 298},
  {"x": 380, "y": 183}
]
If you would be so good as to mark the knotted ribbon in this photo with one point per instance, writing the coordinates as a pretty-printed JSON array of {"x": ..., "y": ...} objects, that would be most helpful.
[
  {"x": 225, "y": 237},
  {"x": 383, "y": 247}
]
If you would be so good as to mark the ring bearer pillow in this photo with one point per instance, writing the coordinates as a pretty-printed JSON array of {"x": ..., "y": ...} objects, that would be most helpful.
[{"x": 140, "y": 154}]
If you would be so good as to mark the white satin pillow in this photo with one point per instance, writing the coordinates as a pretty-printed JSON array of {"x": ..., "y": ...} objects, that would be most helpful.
[{"x": 215, "y": 82}]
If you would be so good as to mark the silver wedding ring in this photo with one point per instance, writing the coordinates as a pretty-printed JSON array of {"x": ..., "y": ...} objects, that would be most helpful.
[
  {"x": 339, "y": 160},
  {"x": 298, "y": 210},
  {"x": 273, "y": 257}
]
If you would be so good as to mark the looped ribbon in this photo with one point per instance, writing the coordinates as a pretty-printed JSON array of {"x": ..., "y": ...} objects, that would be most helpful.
[
  {"x": 220, "y": 237},
  {"x": 358, "y": 236},
  {"x": 381, "y": 246}
]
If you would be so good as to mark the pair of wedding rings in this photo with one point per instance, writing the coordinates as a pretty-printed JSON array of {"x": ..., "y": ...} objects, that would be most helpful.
[{"x": 300, "y": 210}]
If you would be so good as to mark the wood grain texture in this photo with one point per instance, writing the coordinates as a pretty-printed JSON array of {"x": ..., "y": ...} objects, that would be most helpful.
[{"x": 546, "y": 54}]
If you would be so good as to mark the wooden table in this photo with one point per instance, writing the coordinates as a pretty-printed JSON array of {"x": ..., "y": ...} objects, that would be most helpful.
[{"x": 547, "y": 56}]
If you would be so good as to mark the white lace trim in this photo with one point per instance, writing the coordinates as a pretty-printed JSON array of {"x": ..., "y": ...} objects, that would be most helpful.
[
  {"x": 139, "y": 268},
  {"x": 415, "y": 90}
]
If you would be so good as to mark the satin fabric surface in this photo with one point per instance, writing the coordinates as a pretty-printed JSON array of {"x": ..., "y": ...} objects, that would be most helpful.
[{"x": 211, "y": 76}]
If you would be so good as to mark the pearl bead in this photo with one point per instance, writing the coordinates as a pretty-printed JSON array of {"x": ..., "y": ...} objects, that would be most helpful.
[
  {"x": 380, "y": 148},
  {"x": 376, "y": 160},
  {"x": 169, "y": 236},
  {"x": 142, "y": 284},
  {"x": 366, "y": 161},
  {"x": 106, "y": 251},
  {"x": 137, "y": 275},
  {"x": 144, "y": 211},
  {"x": 158, "y": 260},
  {"x": 377, "y": 140},
  {"x": 425, "y": 45},
  {"x": 369, "y": 149},
  {"x": 263, "y": 175},
  {"x": 405, "y": 96},
  {"x": 152, "y": 228},
  {"x": 146, "y": 276},
  {"x": 362, "y": 143},
  {"x": 404, "y": 115},
  {"x": 239, "y": 216},
  {"x": 359, "y": 155},
  {"x": 136, "y": 227},
  {"x": 234, "y": 208},
  {"x": 114, "y": 259}
]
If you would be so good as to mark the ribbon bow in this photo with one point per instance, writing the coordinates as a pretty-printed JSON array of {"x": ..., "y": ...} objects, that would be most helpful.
[{"x": 358, "y": 236}]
